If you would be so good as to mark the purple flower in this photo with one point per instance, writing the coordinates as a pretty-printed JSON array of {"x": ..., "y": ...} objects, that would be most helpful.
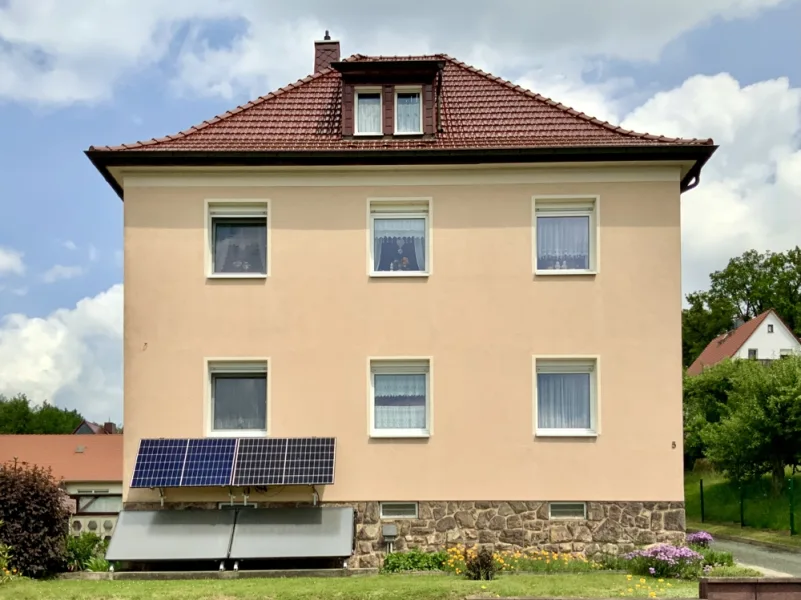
[
  {"x": 701, "y": 538},
  {"x": 652, "y": 571}
]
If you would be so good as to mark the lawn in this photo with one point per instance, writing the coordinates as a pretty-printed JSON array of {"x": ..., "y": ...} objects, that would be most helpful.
[
  {"x": 762, "y": 509},
  {"x": 384, "y": 587}
]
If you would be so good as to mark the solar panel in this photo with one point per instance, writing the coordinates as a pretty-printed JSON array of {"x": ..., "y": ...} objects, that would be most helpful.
[
  {"x": 260, "y": 461},
  {"x": 309, "y": 461},
  {"x": 209, "y": 462},
  {"x": 159, "y": 463}
]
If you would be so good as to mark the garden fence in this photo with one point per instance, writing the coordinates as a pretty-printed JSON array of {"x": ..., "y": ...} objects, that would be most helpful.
[{"x": 751, "y": 504}]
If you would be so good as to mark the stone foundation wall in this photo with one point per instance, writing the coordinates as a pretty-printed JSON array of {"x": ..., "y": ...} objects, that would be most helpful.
[{"x": 610, "y": 527}]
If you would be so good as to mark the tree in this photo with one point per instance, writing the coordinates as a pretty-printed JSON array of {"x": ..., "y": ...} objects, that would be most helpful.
[
  {"x": 705, "y": 319},
  {"x": 18, "y": 416},
  {"x": 759, "y": 428},
  {"x": 35, "y": 519}
]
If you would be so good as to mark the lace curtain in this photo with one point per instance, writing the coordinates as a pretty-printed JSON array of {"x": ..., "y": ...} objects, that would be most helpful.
[
  {"x": 408, "y": 113},
  {"x": 563, "y": 242},
  {"x": 240, "y": 402},
  {"x": 400, "y": 401},
  {"x": 240, "y": 247},
  {"x": 394, "y": 239},
  {"x": 563, "y": 401},
  {"x": 368, "y": 113}
]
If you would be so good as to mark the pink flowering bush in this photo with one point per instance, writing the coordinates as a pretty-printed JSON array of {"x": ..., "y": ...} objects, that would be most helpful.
[
  {"x": 700, "y": 538},
  {"x": 665, "y": 560}
]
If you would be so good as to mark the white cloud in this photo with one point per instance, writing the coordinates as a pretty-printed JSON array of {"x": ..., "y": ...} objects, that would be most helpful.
[
  {"x": 60, "y": 272},
  {"x": 69, "y": 245},
  {"x": 11, "y": 262},
  {"x": 57, "y": 52},
  {"x": 72, "y": 357}
]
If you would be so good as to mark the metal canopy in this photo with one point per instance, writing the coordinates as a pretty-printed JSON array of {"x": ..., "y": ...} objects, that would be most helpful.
[
  {"x": 293, "y": 533},
  {"x": 171, "y": 535}
]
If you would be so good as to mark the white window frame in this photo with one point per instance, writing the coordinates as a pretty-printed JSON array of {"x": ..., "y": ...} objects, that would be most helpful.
[
  {"x": 551, "y": 516},
  {"x": 399, "y": 213},
  {"x": 408, "y": 90},
  {"x": 571, "y": 364},
  {"x": 770, "y": 327},
  {"x": 756, "y": 353},
  {"x": 367, "y": 90},
  {"x": 235, "y": 207},
  {"x": 385, "y": 505},
  {"x": 561, "y": 205},
  {"x": 403, "y": 365},
  {"x": 245, "y": 366}
]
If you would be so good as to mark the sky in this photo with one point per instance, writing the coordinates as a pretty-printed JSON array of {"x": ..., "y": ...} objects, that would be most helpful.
[{"x": 85, "y": 72}]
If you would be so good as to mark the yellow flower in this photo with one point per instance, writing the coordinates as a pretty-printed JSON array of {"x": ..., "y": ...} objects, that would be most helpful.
[
  {"x": 670, "y": 585},
  {"x": 661, "y": 581},
  {"x": 652, "y": 595},
  {"x": 483, "y": 587},
  {"x": 628, "y": 577},
  {"x": 630, "y": 590},
  {"x": 642, "y": 580}
]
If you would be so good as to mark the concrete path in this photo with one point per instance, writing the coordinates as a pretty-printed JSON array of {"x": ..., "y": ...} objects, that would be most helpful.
[{"x": 774, "y": 563}]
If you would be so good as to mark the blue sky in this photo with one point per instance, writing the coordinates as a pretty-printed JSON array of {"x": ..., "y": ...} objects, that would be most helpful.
[{"x": 81, "y": 75}]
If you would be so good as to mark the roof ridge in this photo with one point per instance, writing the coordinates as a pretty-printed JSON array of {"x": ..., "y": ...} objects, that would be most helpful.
[
  {"x": 229, "y": 113},
  {"x": 572, "y": 111}
]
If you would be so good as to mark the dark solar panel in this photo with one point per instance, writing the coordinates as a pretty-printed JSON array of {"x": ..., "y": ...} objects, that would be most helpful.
[
  {"x": 309, "y": 461},
  {"x": 209, "y": 462},
  {"x": 159, "y": 463},
  {"x": 260, "y": 461}
]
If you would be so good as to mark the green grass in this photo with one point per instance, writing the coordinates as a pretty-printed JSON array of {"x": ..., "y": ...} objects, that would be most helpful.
[
  {"x": 762, "y": 509},
  {"x": 780, "y": 538},
  {"x": 384, "y": 587}
]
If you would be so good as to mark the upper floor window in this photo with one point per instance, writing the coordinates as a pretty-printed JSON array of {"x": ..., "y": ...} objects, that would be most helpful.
[
  {"x": 238, "y": 239},
  {"x": 368, "y": 112},
  {"x": 770, "y": 328},
  {"x": 565, "y": 235},
  {"x": 408, "y": 111},
  {"x": 400, "y": 402},
  {"x": 753, "y": 353},
  {"x": 400, "y": 236},
  {"x": 238, "y": 402},
  {"x": 566, "y": 396}
]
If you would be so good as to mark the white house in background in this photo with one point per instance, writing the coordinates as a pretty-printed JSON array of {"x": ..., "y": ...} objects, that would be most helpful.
[{"x": 765, "y": 337}]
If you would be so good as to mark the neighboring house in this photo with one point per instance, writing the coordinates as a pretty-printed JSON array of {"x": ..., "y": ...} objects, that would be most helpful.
[
  {"x": 457, "y": 279},
  {"x": 89, "y": 469},
  {"x": 90, "y": 428},
  {"x": 764, "y": 337}
]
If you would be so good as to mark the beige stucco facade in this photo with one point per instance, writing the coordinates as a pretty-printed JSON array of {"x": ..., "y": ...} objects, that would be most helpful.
[{"x": 481, "y": 317}]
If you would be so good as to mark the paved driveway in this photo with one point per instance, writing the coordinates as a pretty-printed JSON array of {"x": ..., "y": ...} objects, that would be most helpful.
[{"x": 785, "y": 563}]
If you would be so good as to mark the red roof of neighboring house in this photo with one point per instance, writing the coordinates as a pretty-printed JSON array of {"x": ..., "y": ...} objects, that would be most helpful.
[
  {"x": 71, "y": 457},
  {"x": 96, "y": 428},
  {"x": 479, "y": 111},
  {"x": 726, "y": 344}
]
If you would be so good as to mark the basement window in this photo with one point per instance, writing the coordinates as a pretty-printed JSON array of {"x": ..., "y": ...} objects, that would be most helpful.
[
  {"x": 399, "y": 510},
  {"x": 567, "y": 510}
]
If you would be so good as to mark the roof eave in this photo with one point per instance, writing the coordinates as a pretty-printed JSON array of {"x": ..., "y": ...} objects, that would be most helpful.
[{"x": 699, "y": 153}]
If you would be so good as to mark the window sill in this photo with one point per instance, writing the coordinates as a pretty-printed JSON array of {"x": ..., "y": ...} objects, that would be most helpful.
[
  {"x": 539, "y": 272},
  {"x": 236, "y": 275},
  {"x": 408, "y": 133},
  {"x": 238, "y": 433},
  {"x": 565, "y": 433},
  {"x": 368, "y": 134},
  {"x": 399, "y": 433},
  {"x": 399, "y": 273}
]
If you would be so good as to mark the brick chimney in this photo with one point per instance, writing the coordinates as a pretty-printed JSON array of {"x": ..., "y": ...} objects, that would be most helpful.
[
  {"x": 109, "y": 427},
  {"x": 326, "y": 51}
]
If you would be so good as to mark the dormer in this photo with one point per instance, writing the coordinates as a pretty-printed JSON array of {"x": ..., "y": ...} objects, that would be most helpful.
[{"x": 389, "y": 98}]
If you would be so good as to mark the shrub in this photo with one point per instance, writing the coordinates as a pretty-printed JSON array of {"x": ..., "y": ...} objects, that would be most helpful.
[
  {"x": 97, "y": 564},
  {"x": 714, "y": 558},
  {"x": 527, "y": 561},
  {"x": 35, "y": 516},
  {"x": 413, "y": 560},
  {"x": 481, "y": 565},
  {"x": 7, "y": 572},
  {"x": 700, "y": 538},
  {"x": 664, "y": 560},
  {"x": 82, "y": 548}
]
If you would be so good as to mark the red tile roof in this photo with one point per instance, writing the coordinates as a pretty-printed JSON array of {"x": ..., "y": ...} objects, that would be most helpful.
[
  {"x": 479, "y": 111},
  {"x": 73, "y": 458},
  {"x": 726, "y": 344}
]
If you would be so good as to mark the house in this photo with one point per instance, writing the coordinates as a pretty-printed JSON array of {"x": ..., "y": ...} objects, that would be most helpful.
[
  {"x": 765, "y": 337},
  {"x": 90, "y": 428},
  {"x": 407, "y": 292},
  {"x": 89, "y": 469}
]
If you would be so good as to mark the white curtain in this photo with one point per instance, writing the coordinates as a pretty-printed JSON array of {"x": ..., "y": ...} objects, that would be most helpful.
[
  {"x": 240, "y": 402},
  {"x": 399, "y": 229},
  {"x": 240, "y": 248},
  {"x": 563, "y": 401},
  {"x": 408, "y": 113},
  {"x": 400, "y": 401},
  {"x": 368, "y": 113},
  {"x": 563, "y": 242}
]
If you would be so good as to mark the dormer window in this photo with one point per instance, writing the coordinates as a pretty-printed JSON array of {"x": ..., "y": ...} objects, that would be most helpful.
[
  {"x": 368, "y": 112},
  {"x": 408, "y": 111}
]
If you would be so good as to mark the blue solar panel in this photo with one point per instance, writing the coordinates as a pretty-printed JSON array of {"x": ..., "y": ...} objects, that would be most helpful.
[
  {"x": 159, "y": 463},
  {"x": 260, "y": 461},
  {"x": 209, "y": 462}
]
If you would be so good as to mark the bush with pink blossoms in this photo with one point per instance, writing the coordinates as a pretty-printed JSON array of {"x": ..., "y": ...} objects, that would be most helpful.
[
  {"x": 700, "y": 538},
  {"x": 665, "y": 560}
]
